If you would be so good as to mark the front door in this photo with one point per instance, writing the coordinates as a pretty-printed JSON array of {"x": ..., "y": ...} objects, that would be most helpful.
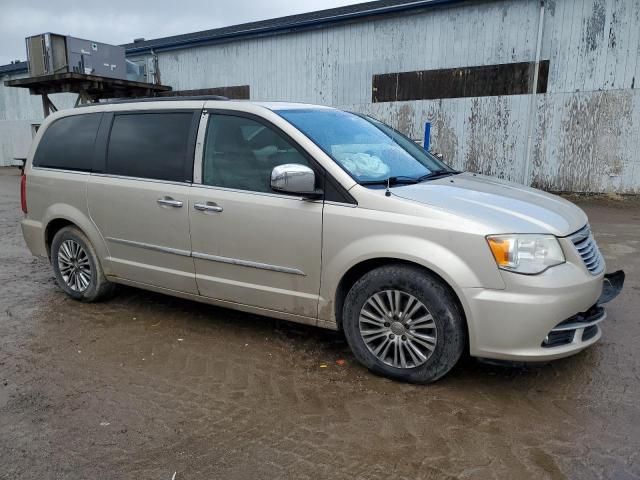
[
  {"x": 251, "y": 245},
  {"x": 140, "y": 200}
]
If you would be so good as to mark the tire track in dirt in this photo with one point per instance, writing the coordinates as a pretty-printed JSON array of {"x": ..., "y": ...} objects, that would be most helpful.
[{"x": 212, "y": 393}]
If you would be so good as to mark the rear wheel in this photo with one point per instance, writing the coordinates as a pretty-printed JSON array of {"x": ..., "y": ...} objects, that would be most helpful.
[
  {"x": 404, "y": 323},
  {"x": 76, "y": 266}
]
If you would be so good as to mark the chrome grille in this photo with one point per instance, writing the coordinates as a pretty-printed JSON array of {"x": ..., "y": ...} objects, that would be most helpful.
[{"x": 588, "y": 249}]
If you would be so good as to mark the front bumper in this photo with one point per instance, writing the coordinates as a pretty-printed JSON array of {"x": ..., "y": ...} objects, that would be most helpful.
[
  {"x": 513, "y": 324},
  {"x": 576, "y": 330}
]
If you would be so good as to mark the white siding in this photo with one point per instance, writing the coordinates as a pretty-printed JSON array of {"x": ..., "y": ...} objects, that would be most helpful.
[
  {"x": 585, "y": 129},
  {"x": 334, "y": 65},
  {"x": 18, "y": 111},
  {"x": 584, "y": 141}
]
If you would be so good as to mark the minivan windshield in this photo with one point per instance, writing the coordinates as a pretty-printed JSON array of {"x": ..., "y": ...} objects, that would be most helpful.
[{"x": 370, "y": 151}]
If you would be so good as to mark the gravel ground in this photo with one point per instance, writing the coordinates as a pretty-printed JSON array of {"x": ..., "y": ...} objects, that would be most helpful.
[{"x": 146, "y": 385}]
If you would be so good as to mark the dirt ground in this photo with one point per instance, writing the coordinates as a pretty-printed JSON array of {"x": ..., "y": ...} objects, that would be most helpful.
[{"x": 146, "y": 385}]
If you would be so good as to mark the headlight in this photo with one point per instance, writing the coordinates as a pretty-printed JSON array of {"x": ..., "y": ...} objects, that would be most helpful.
[{"x": 526, "y": 253}]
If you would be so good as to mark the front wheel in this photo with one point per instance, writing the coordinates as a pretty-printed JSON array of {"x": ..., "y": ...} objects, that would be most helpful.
[
  {"x": 76, "y": 266},
  {"x": 403, "y": 323}
]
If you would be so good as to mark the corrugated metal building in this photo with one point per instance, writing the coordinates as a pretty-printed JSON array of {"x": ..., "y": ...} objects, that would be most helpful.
[{"x": 540, "y": 93}]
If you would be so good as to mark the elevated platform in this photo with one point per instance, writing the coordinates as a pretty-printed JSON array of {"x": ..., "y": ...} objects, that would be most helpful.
[{"x": 90, "y": 88}]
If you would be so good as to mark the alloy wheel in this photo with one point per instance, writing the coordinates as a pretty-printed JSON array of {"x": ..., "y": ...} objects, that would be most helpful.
[
  {"x": 74, "y": 266},
  {"x": 398, "y": 329}
]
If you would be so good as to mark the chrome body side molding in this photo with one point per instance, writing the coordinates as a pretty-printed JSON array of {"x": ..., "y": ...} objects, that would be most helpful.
[
  {"x": 204, "y": 256},
  {"x": 247, "y": 263},
  {"x": 150, "y": 246}
]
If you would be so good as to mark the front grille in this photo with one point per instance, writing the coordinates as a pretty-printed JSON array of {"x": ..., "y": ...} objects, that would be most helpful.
[
  {"x": 589, "y": 333},
  {"x": 588, "y": 249}
]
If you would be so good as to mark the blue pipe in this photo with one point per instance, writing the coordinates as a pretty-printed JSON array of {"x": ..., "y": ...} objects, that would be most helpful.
[{"x": 427, "y": 136}]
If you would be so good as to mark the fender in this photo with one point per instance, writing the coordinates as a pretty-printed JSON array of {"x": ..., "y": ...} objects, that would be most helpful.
[
  {"x": 417, "y": 250},
  {"x": 83, "y": 222}
]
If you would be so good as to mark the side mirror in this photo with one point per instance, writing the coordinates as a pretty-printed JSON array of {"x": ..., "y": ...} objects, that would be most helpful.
[
  {"x": 438, "y": 155},
  {"x": 294, "y": 178}
]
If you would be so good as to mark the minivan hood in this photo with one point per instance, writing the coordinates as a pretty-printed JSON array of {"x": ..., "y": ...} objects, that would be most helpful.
[{"x": 504, "y": 207}]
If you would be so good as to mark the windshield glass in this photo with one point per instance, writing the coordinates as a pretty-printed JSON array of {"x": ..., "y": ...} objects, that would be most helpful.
[{"x": 368, "y": 150}]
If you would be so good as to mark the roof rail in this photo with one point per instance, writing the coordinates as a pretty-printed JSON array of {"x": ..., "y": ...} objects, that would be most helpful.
[{"x": 173, "y": 98}]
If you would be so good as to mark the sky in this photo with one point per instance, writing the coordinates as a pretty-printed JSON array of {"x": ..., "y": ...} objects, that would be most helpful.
[{"x": 120, "y": 21}]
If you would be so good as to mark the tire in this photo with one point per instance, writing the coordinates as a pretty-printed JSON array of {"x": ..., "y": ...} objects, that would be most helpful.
[
  {"x": 437, "y": 328},
  {"x": 71, "y": 247}
]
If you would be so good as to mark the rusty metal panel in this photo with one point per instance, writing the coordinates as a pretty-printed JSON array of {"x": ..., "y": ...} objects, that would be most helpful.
[
  {"x": 481, "y": 81},
  {"x": 384, "y": 88}
]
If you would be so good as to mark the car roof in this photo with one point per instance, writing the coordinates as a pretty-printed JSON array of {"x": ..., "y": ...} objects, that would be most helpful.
[
  {"x": 179, "y": 102},
  {"x": 275, "y": 106}
]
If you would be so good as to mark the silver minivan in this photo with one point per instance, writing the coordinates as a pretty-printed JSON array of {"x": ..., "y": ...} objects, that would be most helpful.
[{"x": 318, "y": 216}]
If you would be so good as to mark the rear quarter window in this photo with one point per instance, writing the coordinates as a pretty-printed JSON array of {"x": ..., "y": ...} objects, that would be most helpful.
[
  {"x": 68, "y": 143},
  {"x": 151, "y": 145}
]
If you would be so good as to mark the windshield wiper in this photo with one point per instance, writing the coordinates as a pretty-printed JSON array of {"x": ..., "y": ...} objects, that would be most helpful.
[
  {"x": 438, "y": 174},
  {"x": 398, "y": 180},
  {"x": 401, "y": 180}
]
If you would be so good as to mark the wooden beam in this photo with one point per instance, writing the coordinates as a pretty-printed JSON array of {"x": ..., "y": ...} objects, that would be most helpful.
[{"x": 90, "y": 88}]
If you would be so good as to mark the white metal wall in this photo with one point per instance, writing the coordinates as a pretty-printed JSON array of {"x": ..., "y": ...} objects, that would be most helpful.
[
  {"x": 18, "y": 112},
  {"x": 585, "y": 129},
  {"x": 584, "y": 141},
  {"x": 334, "y": 65}
]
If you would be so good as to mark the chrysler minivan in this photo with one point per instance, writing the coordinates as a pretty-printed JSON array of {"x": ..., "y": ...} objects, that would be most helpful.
[{"x": 313, "y": 215}]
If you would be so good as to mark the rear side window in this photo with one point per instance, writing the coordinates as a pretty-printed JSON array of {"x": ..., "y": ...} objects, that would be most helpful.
[
  {"x": 151, "y": 145},
  {"x": 68, "y": 143}
]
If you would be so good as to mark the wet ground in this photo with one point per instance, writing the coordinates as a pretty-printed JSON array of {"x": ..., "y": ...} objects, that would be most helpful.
[{"x": 147, "y": 385}]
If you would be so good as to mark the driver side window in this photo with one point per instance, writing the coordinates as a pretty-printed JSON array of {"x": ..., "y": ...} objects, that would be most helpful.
[{"x": 240, "y": 153}]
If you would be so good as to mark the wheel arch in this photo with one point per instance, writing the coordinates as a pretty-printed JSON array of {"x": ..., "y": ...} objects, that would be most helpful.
[
  {"x": 53, "y": 227},
  {"x": 60, "y": 216},
  {"x": 356, "y": 272}
]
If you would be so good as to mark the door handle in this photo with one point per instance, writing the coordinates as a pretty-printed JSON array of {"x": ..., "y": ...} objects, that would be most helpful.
[
  {"x": 169, "y": 202},
  {"x": 207, "y": 207}
]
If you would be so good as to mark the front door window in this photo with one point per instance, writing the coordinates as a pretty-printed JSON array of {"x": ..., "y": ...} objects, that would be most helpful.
[{"x": 240, "y": 153}]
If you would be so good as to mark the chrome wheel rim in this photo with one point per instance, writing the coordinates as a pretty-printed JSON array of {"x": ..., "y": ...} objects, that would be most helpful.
[
  {"x": 74, "y": 266},
  {"x": 398, "y": 329}
]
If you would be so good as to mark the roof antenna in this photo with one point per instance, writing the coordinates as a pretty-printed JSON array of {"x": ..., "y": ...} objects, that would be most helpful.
[{"x": 388, "y": 192}]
